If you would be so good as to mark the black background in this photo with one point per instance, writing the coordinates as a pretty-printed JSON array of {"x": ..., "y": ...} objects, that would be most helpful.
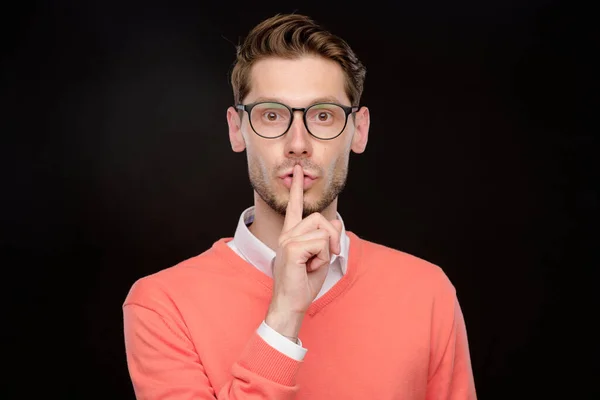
[{"x": 116, "y": 164}]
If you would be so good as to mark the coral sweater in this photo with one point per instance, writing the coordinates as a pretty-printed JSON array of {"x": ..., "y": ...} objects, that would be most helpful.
[{"x": 390, "y": 328}]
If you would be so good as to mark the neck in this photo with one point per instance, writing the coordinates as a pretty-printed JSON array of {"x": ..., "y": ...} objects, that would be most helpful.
[{"x": 267, "y": 224}]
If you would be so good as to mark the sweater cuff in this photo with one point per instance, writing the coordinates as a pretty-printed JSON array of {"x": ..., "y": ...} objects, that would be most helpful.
[
  {"x": 281, "y": 343},
  {"x": 258, "y": 356}
]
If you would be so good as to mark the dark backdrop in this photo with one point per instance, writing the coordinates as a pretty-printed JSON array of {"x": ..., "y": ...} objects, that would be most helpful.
[{"x": 116, "y": 164}]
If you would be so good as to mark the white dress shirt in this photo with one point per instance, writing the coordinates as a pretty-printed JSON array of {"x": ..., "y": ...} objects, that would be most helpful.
[{"x": 255, "y": 252}]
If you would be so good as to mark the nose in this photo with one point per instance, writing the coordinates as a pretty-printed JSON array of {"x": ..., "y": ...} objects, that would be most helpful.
[{"x": 299, "y": 143}]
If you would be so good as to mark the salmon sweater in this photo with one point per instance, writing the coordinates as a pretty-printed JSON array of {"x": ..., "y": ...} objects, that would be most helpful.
[{"x": 391, "y": 328}]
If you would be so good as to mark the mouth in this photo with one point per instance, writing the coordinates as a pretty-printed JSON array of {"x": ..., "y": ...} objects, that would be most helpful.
[
  {"x": 287, "y": 178},
  {"x": 290, "y": 174}
]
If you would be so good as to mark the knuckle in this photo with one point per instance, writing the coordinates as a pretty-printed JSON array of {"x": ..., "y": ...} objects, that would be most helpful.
[
  {"x": 315, "y": 215},
  {"x": 321, "y": 220}
]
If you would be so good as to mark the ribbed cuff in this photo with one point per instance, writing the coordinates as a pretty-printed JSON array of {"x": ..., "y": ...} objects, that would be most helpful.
[
  {"x": 258, "y": 356},
  {"x": 281, "y": 343}
]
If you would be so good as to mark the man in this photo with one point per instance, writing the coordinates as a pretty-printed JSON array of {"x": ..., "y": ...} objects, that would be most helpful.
[{"x": 294, "y": 306}]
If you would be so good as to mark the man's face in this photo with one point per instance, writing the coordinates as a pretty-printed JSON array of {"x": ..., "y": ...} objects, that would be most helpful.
[{"x": 297, "y": 83}]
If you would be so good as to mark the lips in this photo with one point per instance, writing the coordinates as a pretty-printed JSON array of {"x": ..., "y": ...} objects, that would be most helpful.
[
  {"x": 290, "y": 174},
  {"x": 287, "y": 178}
]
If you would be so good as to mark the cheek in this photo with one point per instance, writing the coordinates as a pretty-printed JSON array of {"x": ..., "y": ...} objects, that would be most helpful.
[
  {"x": 259, "y": 161},
  {"x": 334, "y": 158},
  {"x": 256, "y": 162}
]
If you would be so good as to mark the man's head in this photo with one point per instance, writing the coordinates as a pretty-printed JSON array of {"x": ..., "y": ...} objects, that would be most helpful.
[{"x": 288, "y": 62}]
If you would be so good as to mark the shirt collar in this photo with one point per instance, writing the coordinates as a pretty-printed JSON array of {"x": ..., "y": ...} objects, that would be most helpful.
[{"x": 260, "y": 255}]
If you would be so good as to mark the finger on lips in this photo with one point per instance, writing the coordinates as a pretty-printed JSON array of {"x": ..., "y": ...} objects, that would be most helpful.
[
  {"x": 294, "y": 225},
  {"x": 293, "y": 214}
]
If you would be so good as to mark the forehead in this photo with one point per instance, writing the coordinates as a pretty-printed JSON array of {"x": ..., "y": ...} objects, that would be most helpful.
[{"x": 297, "y": 82}]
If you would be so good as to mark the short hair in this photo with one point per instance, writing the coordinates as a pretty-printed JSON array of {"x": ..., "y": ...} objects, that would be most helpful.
[{"x": 291, "y": 36}]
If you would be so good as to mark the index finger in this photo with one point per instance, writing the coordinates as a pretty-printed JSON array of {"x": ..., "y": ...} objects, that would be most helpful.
[{"x": 295, "y": 207}]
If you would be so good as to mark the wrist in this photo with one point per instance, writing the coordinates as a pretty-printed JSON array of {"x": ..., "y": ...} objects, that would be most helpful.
[{"x": 285, "y": 323}]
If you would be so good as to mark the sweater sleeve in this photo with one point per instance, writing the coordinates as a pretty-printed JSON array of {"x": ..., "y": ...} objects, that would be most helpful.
[
  {"x": 451, "y": 375},
  {"x": 163, "y": 363}
]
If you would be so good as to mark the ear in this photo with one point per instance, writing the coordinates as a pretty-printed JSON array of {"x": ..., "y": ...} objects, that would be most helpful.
[
  {"x": 361, "y": 131},
  {"x": 235, "y": 130}
]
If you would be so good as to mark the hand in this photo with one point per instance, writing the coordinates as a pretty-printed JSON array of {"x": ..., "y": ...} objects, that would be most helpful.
[{"x": 301, "y": 262}]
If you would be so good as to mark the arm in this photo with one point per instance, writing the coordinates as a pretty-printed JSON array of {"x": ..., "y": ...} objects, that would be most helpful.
[
  {"x": 451, "y": 375},
  {"x": 163, "y": 363}
]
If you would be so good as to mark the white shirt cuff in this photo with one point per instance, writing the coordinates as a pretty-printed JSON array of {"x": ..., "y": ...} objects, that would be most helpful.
[{"x": 281, "y": 343}]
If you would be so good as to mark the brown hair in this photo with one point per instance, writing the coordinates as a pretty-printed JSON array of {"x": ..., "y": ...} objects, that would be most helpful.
[{"x": 291, "y": 36}]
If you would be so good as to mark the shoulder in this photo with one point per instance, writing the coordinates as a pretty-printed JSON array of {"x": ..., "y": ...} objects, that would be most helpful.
[
  {"x": 402, "y": 268},
  {"x": 194, "y": 274}
]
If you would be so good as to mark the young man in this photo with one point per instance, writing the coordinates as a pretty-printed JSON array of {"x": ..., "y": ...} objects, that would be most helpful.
[{"x": 294, "y": 306}]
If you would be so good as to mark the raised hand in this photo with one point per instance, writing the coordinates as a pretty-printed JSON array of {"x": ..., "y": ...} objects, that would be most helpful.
[{"x": 301, "y": 262}]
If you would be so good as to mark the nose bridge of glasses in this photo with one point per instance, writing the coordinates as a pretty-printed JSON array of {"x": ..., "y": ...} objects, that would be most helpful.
[{"x": 302, "y": 121}]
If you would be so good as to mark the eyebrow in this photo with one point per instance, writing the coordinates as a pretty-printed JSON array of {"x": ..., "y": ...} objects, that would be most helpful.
[{"x": 325, "y": 99}]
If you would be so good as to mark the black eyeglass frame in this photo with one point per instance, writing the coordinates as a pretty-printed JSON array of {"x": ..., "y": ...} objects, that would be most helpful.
[{"x": 248, "y": 108}]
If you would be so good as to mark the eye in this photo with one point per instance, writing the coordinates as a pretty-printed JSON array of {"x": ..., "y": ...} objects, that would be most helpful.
[
  {"x": 273, "y": 116},
  {"x": 323, "y": 116}
]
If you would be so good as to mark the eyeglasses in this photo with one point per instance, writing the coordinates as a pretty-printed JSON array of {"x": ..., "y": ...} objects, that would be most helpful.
[{"x": 271, "y": 120}]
